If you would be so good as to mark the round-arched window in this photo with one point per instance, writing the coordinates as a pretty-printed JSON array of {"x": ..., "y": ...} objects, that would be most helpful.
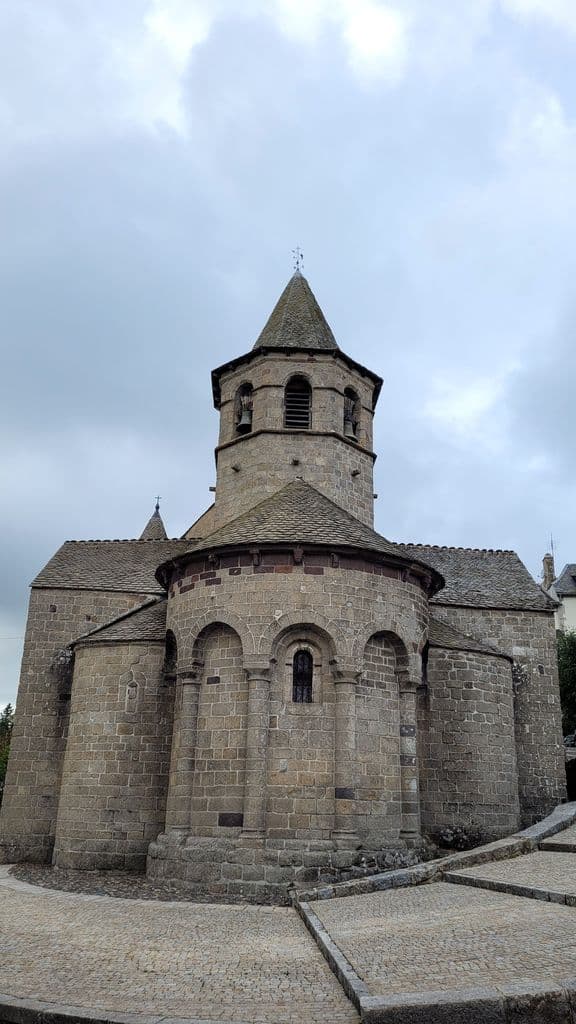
[{"x": 302, "y": 675}]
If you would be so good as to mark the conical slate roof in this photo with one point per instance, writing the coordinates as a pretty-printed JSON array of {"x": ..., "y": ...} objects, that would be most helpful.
[
  {"x": 154, "y": 529},
  {"x": 299, "y": 514},
  {"x": 297, "y": 320}
]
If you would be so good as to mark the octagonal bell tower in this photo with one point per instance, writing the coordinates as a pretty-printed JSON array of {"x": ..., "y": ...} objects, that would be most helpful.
[{"x": 295, "y": 407}]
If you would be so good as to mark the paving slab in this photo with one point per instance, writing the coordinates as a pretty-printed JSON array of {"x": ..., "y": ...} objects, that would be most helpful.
[
  {"x": 139, "y": 961},
  {"x": 543, "y": 875},
  {"x": 442, "y": 952}
]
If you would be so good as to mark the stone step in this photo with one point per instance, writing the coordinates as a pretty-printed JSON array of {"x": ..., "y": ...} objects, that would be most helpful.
[{"x": 543, "y": 875}]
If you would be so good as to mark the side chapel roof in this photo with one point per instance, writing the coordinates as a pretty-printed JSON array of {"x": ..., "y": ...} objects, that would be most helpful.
[
  {"x": 119, "y": 565},
  {"x": 146, "y": 623},
  {"x": 479, "y": 578}
]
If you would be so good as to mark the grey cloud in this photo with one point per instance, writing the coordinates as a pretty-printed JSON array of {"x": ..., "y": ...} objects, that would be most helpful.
[{"x": 135, "y": 261}]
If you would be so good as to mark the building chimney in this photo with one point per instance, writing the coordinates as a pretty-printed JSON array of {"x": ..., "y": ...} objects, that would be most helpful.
[{"x": 548, "y": 572}]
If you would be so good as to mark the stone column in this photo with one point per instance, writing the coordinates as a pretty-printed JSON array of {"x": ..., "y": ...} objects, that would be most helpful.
[
  {"x": 182, "y": 757},
  {"x": 257, "y": 725},
  {"x": 344, "y": 834},
  {"x": 409, "y": 788}
]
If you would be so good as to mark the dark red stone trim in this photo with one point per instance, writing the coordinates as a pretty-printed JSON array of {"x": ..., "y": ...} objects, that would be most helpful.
[{"x": 311, "y": 563}]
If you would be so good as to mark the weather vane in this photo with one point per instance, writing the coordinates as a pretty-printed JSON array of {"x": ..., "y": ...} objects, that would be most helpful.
[
  {"x": 157, "y": 502},
  {"x": 298, "y": 258}
]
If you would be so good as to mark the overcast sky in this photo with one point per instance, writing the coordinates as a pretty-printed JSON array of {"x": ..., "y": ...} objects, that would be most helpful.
[{"x": 159, "y": 159}]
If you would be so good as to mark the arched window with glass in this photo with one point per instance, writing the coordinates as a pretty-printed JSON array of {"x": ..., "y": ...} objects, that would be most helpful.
[{"x": 302, "y": 677}]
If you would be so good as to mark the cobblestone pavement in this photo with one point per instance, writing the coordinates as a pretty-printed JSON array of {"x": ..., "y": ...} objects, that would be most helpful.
[
  {"x": 124, "y": 884},
  {"x": 445, "y": 938},
  {"x": 544, "y": 871},
  {"x": 240, "y": 964}
]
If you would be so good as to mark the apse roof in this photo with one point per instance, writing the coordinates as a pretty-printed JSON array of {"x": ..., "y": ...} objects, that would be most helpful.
[{"x": 299, "y": 514}]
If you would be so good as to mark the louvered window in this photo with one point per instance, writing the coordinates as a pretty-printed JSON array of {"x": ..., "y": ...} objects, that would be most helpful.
[
  {"x": 297, "y": 404},
  {"x": 302, "y": 673}
]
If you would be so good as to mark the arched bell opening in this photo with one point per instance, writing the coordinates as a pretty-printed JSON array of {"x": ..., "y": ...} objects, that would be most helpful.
[
  {"x": 351, "y": 424},
  {"x": 243, "y": 409},
  {"x": 298, "y": 404}
]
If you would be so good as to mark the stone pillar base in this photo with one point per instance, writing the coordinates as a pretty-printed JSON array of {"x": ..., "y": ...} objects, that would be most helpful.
[
  {"x": 248, "y": 864},
  {"x": 264, "y": 869}
]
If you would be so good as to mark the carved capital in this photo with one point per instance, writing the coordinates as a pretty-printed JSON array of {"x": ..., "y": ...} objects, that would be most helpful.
[
  {"x": 345, "y": 675},
  {"x": 258, "y": 671},
  {"x": 191, "y": 673}
]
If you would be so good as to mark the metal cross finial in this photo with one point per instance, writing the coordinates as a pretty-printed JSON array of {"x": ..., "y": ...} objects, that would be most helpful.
[
  {"x": 157, "y": 509},
  {"x": 298, "y": 258}
]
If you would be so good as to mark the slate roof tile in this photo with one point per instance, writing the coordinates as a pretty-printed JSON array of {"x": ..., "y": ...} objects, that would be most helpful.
[
  {"x": 154, "y": 529},
  {"x": 479, "y": 578},
  {"x": 147, "y": 623},
  {"x": 118, "y": 565},
  {"x": 299, "y": 514},
  {"x": 297, "y": 320},
  {"x": 565, "y": 585}
]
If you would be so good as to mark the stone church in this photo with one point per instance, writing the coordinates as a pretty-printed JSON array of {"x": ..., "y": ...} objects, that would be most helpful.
[{"x": 282, "y": 692}]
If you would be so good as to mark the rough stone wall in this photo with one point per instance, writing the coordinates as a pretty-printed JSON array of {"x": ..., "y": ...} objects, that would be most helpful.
[
  {"x": 30, "y": 804},
  {"x": 265, "y": 464},
  {"x": 378, "y": 745},
  {"x": 529, "y": 637},
  {"x": 220, "y": 759},
  {"x": 300, "y": 785},
  {"x": 115, "y": 772},
  {"x": 466, "y": 745},
  {"x": 351, "y": 600},
  {"x": 269, "y": 373},
  {"x": 264, "y": 459}
]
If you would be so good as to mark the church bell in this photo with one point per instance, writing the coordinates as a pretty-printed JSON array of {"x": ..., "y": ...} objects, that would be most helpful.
[{"x": 245, "y": 422}]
